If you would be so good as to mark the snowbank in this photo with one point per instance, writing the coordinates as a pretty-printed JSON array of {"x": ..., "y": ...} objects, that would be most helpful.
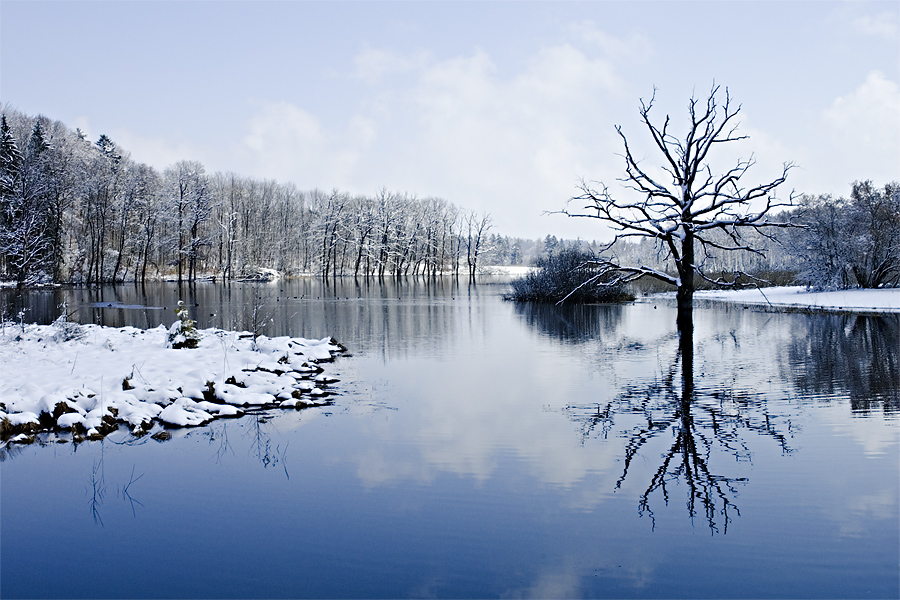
[
  {"x": 856, "y": 300},
  {"x": 507, "y": 270},
  {"x": 89, "y": 379}
]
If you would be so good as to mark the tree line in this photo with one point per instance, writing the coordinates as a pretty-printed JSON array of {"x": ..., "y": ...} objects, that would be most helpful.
[
  {"x": 77, "y": 211},
  {"x": 72, "y": 210}
]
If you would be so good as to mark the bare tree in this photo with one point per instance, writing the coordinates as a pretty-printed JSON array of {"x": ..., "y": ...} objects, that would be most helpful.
[
  {"x": 149, "y": 212},
  {"x": 688, "y": 214},
  {"x": 72, "y": 210},
  {"x": 191, "y": 207},
  {"x": 851, "y": 242},
  {"x": 477, "y": 229}
]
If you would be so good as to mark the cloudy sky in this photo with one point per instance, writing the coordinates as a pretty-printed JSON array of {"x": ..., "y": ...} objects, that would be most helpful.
[{"x": 496, "y": 106}]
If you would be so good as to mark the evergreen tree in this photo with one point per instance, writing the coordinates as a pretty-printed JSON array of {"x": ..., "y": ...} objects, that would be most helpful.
[
  {"x": 10, "y": 160},
  {"x": 10, "y": 168},
  {"x": 108, "y": 148},
  {"x": 551, "y": 244},
  {"x": 37, "y": 144},
  {"x": 24, "y": 237}
]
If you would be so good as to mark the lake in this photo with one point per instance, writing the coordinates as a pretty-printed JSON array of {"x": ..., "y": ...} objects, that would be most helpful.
[{"x": 480, "y": 448}]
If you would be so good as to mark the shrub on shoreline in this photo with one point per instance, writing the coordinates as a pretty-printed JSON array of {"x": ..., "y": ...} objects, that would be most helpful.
[
  {"x": 560, "y": 275},
  {"x": 183, "y": 332}
]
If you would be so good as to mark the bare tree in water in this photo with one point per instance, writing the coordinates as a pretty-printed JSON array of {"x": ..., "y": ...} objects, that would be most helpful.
[{"x": 689, "y": 213}]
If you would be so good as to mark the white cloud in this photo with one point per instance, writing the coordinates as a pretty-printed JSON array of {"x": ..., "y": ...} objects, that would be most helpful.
[
  {"x": 870, "y": 113},
  {"x": 634, "y": 46},
  {"x": 510, "y": 143},
  {"x": 516, "y": 144},
  {"x": 883, "y": 25},
  {"x": 372, "y": 65},
  {"x": 566, "y": 74},
  {"x": 864, "y": 128},
  {"x": 291, "y": 144},
  {"x": 285, "y": 128}
]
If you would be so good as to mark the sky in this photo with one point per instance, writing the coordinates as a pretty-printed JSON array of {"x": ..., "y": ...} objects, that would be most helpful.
[{"x": 498, "y": 107}]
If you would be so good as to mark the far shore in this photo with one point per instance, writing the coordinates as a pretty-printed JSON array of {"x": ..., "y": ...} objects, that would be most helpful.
[{"x": 798, "y": 298}]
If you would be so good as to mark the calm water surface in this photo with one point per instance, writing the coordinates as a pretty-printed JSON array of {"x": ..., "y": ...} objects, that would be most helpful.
[{"x": 478, "y": 448}]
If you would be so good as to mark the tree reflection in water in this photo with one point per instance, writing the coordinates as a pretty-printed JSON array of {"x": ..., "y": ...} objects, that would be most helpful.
[
  {"x": 708, "y": 424},
  {"x": 856, "y": 356},
  {"x": 702, "y": 423}
]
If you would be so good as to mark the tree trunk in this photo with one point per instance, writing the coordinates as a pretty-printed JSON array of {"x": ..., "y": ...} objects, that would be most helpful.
[
  {"x": 685, "y": 318},
  {"x": 686, "y": 348},
  {"x": 685, "y": 293}
]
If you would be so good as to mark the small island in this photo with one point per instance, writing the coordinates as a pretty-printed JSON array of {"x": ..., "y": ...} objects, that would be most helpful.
[{"x": 86, "y": 381}]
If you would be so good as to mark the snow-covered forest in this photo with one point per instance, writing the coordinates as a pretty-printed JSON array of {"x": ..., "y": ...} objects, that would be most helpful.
[{"x": 82, "y": 211}]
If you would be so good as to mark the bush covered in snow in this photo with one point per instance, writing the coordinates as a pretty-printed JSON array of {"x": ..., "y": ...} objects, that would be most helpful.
[
  {"x": 566, "y": 273},
  {"x": 183, "y": 332},
  {"x": 66, "y": 330}
]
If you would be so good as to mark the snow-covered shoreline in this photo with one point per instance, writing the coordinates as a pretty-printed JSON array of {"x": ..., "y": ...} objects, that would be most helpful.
[
  {"x": 88, "y": 380},
  {"x": 799, "y": 298}
]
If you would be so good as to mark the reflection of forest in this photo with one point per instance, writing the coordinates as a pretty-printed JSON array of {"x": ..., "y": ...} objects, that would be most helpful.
[
  {"x": 396, "y": 315},
  {"x": 853, "y": 356}
]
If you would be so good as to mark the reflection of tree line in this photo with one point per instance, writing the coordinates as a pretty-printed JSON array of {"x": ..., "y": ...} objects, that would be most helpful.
[
  {"x": 396, "y": 315},
  {"x": 257, "y": 434},
  {"x": 857, "y": 356},
  {"x": 713, "y": 418}
]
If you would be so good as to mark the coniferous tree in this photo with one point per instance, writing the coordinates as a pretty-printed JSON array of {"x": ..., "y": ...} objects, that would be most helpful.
[
  {"x": 10, "y": 167},
  {"x": 24, "y": 233},
  {"x": 10, "y": 162}
]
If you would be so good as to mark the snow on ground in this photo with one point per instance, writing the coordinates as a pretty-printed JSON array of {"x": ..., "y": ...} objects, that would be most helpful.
[
  {"x": 855, "y": 300},
  {"x": 89, "y": 379},
  {"x": 508, "y": 270}
]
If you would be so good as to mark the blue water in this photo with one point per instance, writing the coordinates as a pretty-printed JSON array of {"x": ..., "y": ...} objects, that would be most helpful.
[{"x": 478, "y": 448}]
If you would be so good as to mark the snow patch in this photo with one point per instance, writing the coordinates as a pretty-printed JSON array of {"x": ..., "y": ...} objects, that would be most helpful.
[
  {"x": 105, "y": 377},
  {"x": 853, "y": 300}
]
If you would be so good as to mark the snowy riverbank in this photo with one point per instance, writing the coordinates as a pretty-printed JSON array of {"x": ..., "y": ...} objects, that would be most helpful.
[
  {"x": 799, "y": 298},
  {"x": 88, "y": 380}
]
